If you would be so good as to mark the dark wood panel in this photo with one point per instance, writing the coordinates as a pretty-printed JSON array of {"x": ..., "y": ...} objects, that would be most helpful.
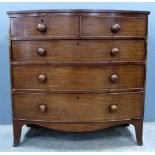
[
  {"x": 80, "y": 11},
  {"x": 78, "y": 51},
  {"x": 102, "y": 26},
  {"x": 68, "y": 77},
  {"x": 88, "y": 107}
]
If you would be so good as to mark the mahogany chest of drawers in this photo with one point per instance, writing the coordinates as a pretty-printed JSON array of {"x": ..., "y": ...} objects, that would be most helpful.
[{"x": 78, "y": 70}]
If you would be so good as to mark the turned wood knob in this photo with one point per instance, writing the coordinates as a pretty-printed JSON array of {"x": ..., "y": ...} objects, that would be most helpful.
[
  {"x": 41, "y": 27},
  {"x": 113, "y": 108},
  {"x": 115, "y": 28},
  {"x": 42, "y": 78},
  {"x": 41, "y": 51},
  {"x": 114, "y": 51},
  {"x": 114, "y": 78},
  {"x": 43, "y": 108}
]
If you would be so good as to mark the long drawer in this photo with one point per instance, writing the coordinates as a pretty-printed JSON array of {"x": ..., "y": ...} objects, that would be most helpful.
[
  {"x": 77, "y": 77},
  {"x": 78, "y": 107},
  {"x": 78, "y": 50}
]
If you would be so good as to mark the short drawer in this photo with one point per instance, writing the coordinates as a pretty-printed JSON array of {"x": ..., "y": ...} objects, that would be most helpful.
[
  {"x": 77, "y": 77},
  {"x": 64, "y": 25},
  {"x": 78, "y": 51},
  {"x": 112, "y": 26},
  {"x": 78, "y": 107}
]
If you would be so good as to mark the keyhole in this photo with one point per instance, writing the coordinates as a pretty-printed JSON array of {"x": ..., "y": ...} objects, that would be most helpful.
[
  {"x": 42, "y": 20},
  {"x": 77, "y": 68},
  {"x": 77, "y": 97},
  {"x": 77, "y": 43}
]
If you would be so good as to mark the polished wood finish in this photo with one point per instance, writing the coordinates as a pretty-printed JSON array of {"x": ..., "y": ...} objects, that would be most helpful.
[
  {"x": 42, "y": 12},
  {"x": 78, "y": 70},
  {"x": 78, "y": 50},
  {"x": 139, "y": 131},
  {"x": 89, "y": 107},
  {"x": 71, "y": 77},
  {"x": 112, "y": 26},
  {"x": 17, "y": 128},
  {"x": 50, "y": 26}
]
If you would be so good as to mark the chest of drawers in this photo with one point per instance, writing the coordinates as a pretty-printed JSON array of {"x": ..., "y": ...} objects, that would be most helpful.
[{"x": 78, "y": 70}]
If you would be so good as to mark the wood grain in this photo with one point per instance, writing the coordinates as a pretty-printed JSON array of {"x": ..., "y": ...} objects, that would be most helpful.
[
  {"x": 123, "y": 12},
  {"x": 69, "y": 87},
  {"x": 101, "y": 26},
  {"x": 26, "y": 27},
  {"x": 68, "y": 77},
  {"x": 77, "y": 107},
  {"x": 78, "y": 50}
]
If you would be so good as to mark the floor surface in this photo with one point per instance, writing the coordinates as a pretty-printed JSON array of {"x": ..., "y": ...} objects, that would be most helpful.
[{"x": 118, "y": 139}]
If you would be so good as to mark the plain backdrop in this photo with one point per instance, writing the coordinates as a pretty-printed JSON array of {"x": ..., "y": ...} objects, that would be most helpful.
[{"x": 5, "y": 97}]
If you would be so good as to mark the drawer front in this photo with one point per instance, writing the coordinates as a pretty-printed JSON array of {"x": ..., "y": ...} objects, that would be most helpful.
[
  {"x": 112, "y": 26},
  {"x": 80, "y": 51},
  {"x": 78, "y": 107},
  {"x": 77, "y": 77},
  {"x": 56, "y": 26}
]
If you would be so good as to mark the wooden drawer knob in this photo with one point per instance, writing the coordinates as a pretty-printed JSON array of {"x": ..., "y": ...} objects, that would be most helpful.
[
  {"x": 41, "y": 51},
  {"x": 114, "y": 78},
  {"x": 113, "y": 108},
  {"x": 116, "y": 28},
  {"x": 41, "y": 27},
  {"x": 43, "y": 108},
  {"x": 42, "y": 78},
  {"x": 114, "y": 51}
]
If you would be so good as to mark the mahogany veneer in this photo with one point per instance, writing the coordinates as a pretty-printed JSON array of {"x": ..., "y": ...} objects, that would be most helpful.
[{"x": 78, "y": 70}]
